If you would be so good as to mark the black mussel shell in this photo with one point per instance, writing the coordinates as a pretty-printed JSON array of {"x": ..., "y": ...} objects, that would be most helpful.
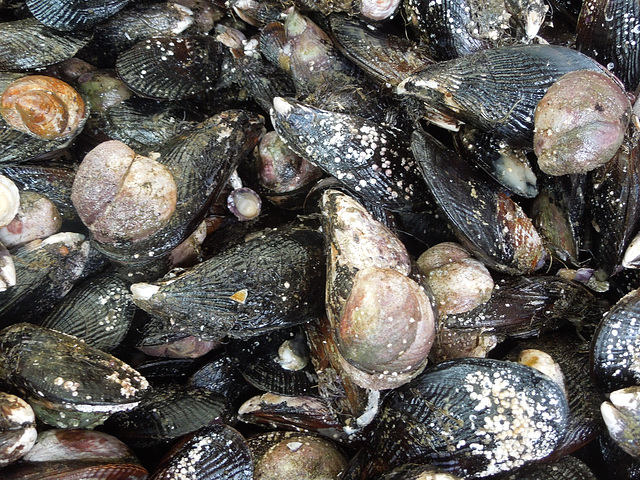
[
  {"x": 46, "y": 270},
  {"x": 53, "y": 181},
  {"x": 525, "y": 306},
  {"x": 474, "y": 417},
  {"x": 166, "y": 414},
  {"x": 171, "y": 67},
  {"x": 68, "y": 15},
  {"x": 100, "y": 312},
  {"x": 264, "y": 284},
  {"x": 496, "y": 89},
  {"x": 613, "y": 203},
  {"x": 569, "y": 468},
  {"x": 277, "y": 362},
  {"x": 372, "y": 160},
  {"x": 615, "y": 345},
  {"x": 218, "y": 452},
  {"x": 27, "y": 44},
  {"x": 68, "y": 383},
  {"x": 486, "y": 221},
  {"x": 221, "y": 376},
  {"x": 606, "y": 32},
  {"x": 143, "y": 123}
]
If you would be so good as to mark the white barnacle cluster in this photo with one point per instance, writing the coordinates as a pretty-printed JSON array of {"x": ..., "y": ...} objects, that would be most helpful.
[
  {"x": 511, "y": 426},
  {"x": 186, "y": 467}
]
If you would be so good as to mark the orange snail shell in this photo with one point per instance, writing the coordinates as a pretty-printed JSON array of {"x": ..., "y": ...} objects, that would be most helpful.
[{"x": 43, "y": 106}]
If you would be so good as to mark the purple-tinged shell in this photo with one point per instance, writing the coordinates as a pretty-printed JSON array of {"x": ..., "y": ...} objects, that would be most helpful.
[
  {"x": 122, "y": 196},
  {"x": 580, "y": 123}
]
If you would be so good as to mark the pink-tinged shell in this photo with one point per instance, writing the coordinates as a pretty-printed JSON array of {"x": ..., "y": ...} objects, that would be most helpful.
[
  {"x": 580, "y": 123},
  {"x": 378, "y": 9},
  {"x": 121, "y": 196},
  {"x": 37, "y": 218},
  {"x": 43, "y": 106},
  {"x": 386, "y": 329},
  {"x": 458, "y": 282}
]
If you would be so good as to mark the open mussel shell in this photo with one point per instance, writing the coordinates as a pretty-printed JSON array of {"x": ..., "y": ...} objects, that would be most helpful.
[
  {"x": 473, "y": 417},
  {"x": 166, "y": 414},
  {"x": 486, "y": 221},
  {"x": 28, "y": 44},
  {"x": 171, "y": 67},
  {"x": 68, "y": 383},
  {"x": 69, "y": 15},
  {"x": 217, "y": 452},
  {"x": 301, "y": 413},
  {"x": 615, "y": 345}
]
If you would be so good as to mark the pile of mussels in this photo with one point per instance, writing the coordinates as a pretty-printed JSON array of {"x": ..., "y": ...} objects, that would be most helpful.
[{"x": 370, "y": 239}]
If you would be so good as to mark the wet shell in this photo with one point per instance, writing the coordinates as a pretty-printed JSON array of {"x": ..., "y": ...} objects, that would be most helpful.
[
  {"x": 9, "y": 200},
  {"x": 277, "y": 362},
  {"x": 45, "y": 272},
  {"x": 17, "y": 428},
  {"x": 609, "y": 32},
  {"x": 99, "y": 311},
  {"x": 143, "y": 123},
  {"x": 616, "y": 344},
  {"x": 121, "y": 196},
  {"x": 580, "y": 123},
  {"x": 487, "y": 222},
  {"x": 373, "y": 161},
  {"x": 170, "y": 67},
  {"x": 27, "y": 44},
  {"x": 474, "y": 417},
  {"x": 480, "y": 90},
  {"x": 524, "y": 306},
  {"x": 201, "y": 161},
  {"x": 263, "y": 284},
  {"x": 166, "y": 414},
  {"x": 621, "y": 417},
  {"x": 68, "y": 15},
  {"x": 45, "y": 107},
  {"x": 218, "y": 452},
  {"x": 37, "y": 218},
  {"x": 68, "y": 383},
  {"x": 567, "y": 468},
  {"x": 289, "y": 456}
]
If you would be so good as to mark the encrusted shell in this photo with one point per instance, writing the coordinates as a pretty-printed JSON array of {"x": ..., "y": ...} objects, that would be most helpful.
[{"x": 43, "y": 106}]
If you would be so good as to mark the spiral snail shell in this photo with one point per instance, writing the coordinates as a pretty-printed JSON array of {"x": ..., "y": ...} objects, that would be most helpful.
[{"x": 43, "y": 106}]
